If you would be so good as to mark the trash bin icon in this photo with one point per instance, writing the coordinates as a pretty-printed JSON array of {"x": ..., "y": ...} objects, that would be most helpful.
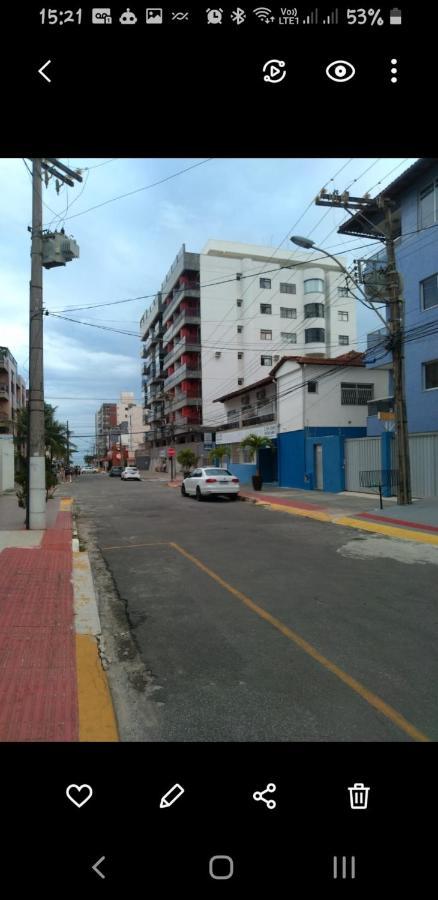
[{"x": 359, "y": 796}]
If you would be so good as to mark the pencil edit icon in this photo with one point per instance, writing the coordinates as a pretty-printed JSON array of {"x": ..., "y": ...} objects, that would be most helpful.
[{"x": 172, "y": 796}]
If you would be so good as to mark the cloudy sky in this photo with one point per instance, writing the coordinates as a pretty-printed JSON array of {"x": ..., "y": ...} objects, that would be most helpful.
[{"x": 128, "y": 244}]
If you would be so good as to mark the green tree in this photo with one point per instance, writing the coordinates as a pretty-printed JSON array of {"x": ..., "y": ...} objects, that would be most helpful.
[
  {"x": 255, "y": 443},
  {"x": 216, "y": 456},
  {"x": 55, "y": 444},
  {"x": 187, "y": 459}
]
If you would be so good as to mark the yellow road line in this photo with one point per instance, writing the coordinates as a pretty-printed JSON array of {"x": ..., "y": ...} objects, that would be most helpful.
[
  {"x": 128, "y": 546},
  {"x": 404, "y": 534},
  {"x": 96, "y": 713},
  {"x": 371, "y": 698},
  {"x": 296, "y": 511}
]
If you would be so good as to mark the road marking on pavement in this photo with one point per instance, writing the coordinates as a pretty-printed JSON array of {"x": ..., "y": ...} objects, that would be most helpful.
[
  {"x": 296, "y": 511},
  {"x": 404, "y": 534},
  {"x": 65, "y": 504},
  {"x": 371, "y": 698},
  {"x": 96, "y": 714},
  {"x": 129, "y": 546}
]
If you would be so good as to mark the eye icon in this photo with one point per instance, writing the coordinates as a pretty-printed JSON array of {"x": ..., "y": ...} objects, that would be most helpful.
[{"x": 340, "y": 70}]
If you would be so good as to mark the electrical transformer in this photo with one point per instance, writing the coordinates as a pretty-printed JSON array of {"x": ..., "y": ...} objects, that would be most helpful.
[{"x": 58, "y": 249}]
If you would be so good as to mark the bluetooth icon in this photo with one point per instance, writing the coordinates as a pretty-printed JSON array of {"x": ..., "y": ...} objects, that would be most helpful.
[{"x": 238, "y": 16}]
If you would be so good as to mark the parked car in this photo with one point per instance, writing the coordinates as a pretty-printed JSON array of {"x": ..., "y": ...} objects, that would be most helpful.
[
  {"x": 207, "y": 482},
  {"x": 116, "y": 471},
  {"x": 131, "y": 473},
  {"x": 88, "y": 470}
]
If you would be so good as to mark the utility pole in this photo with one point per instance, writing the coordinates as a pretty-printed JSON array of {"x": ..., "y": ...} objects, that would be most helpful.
[
  {"x": 36, "y": 490},
  {"x": 36, "y": 443},
  {"x": 68, "y": 446},
  {"x": 394, "y": 323}
]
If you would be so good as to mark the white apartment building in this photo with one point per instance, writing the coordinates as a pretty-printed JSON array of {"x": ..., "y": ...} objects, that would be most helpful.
[
  {"x": 257, "y": 305},
  {"x": 130, "y": 421}
]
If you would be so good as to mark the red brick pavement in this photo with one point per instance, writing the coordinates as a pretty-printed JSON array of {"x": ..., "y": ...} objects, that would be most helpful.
[{"x": 38, "y": 684}]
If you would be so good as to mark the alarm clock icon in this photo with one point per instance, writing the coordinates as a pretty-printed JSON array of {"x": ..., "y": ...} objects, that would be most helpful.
[{"x": 214, "y": 16}]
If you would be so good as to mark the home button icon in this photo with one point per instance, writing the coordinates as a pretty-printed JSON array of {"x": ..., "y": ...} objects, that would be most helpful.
[{"x": 221, "y": 868}]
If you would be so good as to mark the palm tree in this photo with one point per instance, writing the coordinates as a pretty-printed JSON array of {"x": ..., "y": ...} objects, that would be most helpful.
[
  {"x": 255, "y": 443},
  {"x": 56, "y": 444},
  {"x": 216, "y": 456}
]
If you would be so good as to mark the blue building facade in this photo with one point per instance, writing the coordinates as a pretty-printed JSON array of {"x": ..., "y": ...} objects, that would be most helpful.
[
  {"x": 415, "y": 194},
  {"x": 297, "y": 458}
]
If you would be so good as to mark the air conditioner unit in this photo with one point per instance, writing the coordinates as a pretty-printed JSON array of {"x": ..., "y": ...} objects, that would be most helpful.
[
  {"x": 240, "y": 355},
  {"x": 276, "y": 358},
  {"x": 238, "y": 276},
  {"x": 240, "y": 381},
  {"x": 218, "y": 354},
  {"x": 239, "y": 302}
]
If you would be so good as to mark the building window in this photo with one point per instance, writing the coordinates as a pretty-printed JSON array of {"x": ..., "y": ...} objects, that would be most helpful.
[
  {"x": 431, "y": 375},
  {"x": 289, "y": 337},
  {"x": 287, "y": 312},
  {"x": 429, "y": 292},
  {"x": 239, "y": 329},
  {"x": 314, "y": 311},
  {"x": 265, "y": 334},
  {"x": 286, "y": 288},
  {"x": 343, "y": 339},
  {"x": 356, "y": 394},
  {"x": 314, "y": 335},
  {"x": 312, "y": 387},
  {"x": 240, "y": 355},
  {"x": 266, "y": 360},
  {"x": 260, "y": 395},
  {"x": 265, "y": 283},
  {"x": 313, "y": 286},
  {"x": 343, "y": 292},
  {"x": 428, "y": 205},
  {"x": 266, "y": 309},
  {"x": 245, "y": 401},
  {"x": 342, "y": 316}
]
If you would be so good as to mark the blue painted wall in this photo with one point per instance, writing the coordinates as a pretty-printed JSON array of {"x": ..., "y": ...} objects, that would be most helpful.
[
  {"x": 296, "y": 457},
  {"x": 243, "y": 472},
  {"x": 417, "y": 259}
]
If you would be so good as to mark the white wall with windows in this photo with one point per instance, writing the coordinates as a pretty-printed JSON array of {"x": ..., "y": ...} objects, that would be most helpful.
[
  {"x": 259, "y": 304},
  {"x": 326, "y": 395}
]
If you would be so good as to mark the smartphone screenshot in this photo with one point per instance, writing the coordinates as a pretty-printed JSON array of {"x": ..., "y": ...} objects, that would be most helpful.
[{"x": 219, "y": 449}]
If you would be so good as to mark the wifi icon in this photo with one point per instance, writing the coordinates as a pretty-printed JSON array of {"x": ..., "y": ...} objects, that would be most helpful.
[{"x": 263, "y": 13}]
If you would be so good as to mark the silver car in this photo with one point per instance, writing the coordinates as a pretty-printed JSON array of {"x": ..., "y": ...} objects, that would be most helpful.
[{"x": 206, "y": 482}]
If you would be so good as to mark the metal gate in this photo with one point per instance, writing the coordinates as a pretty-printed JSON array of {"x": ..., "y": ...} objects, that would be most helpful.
[
  {"x": 360, "y": 454},
  {"x": 423, "y": 453}
]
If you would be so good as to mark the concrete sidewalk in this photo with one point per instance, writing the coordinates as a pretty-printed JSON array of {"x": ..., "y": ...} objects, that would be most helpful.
[
  {"x": 418, "y": 521},
  {"x": 52, "y": 685}
]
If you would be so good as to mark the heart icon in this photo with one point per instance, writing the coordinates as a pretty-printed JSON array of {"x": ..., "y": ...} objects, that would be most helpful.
[{"x": 74, "y": 792}]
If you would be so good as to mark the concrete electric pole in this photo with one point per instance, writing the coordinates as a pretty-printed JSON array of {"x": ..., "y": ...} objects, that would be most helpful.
[
  {"x": 62, "y": 252},
  {"x": 394, "y": 323}
]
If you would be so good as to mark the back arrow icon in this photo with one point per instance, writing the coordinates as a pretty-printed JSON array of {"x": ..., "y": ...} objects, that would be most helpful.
[
  {"x": 41, "y": 71},
  {"x": 96, "y": 867}
]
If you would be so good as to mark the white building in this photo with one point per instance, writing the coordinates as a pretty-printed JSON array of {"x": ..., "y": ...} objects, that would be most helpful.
[
  {"x": 307, "y": 406},
  {"x": 258, "y": 304},
  {"x": 130, "y": 421}
]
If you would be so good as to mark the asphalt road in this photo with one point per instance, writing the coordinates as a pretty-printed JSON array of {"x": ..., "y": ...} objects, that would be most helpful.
[{"x": 255, "y": 625}]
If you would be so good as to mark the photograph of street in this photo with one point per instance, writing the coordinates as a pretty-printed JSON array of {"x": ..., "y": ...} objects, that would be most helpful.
[{"x": 218, "y": 450}]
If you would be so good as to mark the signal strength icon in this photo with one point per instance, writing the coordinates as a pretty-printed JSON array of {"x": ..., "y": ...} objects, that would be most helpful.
[
  {"x": 332, "y": 18},
  {"x": 263, "y": 13},
  {"x": 311, "y": 19}
]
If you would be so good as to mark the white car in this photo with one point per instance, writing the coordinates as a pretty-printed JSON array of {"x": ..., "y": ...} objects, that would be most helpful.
[
  {"x": 88, "y": 470},
  {"x": 130, "y": 474},
  {"x": 206, "y": 482}
]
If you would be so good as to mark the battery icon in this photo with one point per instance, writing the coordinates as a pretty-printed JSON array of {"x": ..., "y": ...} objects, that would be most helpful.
[{"x": 395, "y": 16}]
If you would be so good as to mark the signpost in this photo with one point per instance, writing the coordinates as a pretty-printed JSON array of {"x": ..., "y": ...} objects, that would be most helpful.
[{"x": 171, "y": 452}]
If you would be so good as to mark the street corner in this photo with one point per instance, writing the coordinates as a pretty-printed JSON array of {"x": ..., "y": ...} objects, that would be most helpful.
[{"x": 97, "y": 719}]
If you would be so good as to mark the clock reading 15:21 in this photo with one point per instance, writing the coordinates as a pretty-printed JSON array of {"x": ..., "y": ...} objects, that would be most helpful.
[{"x": 60, "y": 16}]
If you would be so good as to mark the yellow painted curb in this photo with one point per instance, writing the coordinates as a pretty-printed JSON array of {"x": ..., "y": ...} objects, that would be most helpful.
[
  {"x": 96, "y": 714},
  {"x": 65, "y": 504},
  {"x": 404, "y": 534},
  {"x": 295, "y": 511}
]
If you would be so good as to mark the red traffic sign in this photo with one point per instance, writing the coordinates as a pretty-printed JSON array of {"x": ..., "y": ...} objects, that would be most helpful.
[{"x": 171, "y": 451}]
